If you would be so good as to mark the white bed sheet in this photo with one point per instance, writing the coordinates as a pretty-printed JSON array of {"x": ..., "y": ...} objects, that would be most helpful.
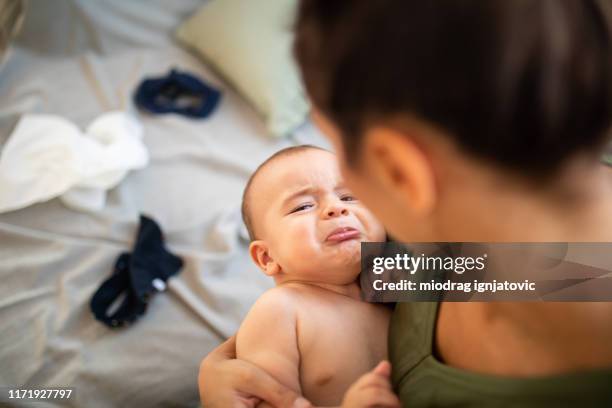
[{"x": 52, "y": 258}]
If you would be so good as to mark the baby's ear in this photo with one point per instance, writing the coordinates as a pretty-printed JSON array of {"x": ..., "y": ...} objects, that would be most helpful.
[{"x": 261, "y": 256}]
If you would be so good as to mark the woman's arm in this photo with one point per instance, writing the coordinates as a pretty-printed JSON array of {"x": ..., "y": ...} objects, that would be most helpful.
[{"x": 225, "y": 381}]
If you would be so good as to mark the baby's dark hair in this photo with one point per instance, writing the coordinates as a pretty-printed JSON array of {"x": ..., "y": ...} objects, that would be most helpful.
[
  {"x": 246, "y": 195},
  {"x": 523, "y": 84}
]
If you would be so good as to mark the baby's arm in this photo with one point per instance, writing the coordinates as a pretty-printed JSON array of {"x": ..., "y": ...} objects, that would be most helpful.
[{"x": 268, "y": 338}]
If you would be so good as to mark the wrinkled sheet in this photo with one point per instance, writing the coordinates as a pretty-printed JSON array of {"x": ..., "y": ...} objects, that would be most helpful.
[{"x": 86, "y": 58}]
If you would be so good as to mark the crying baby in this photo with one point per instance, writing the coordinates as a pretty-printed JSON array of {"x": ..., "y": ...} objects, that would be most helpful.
[{"x": 312, "y": 331}]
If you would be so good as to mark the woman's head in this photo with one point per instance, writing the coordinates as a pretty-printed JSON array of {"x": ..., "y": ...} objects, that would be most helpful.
[{"x": 521, "y": 87}]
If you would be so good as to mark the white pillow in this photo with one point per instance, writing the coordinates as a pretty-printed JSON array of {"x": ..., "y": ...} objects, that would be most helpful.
[{"x": 249, "y": 43}]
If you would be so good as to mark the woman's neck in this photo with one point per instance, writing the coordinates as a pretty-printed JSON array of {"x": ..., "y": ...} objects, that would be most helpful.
[{"x": 577, "y": 208}]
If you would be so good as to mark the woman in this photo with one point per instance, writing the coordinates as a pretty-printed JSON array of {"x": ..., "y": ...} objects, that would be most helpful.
[{"x": 476, "y": 120}]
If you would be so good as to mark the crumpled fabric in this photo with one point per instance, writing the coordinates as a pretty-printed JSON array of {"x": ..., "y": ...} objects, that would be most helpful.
[
  {"x": 178, "y": 92},
  {"x": 136, "y": 276},
  {"x": 48, "y": 156}
]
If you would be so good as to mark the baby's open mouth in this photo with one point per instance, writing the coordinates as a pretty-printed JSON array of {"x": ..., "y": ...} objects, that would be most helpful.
[{"x": 343, "y": 234}]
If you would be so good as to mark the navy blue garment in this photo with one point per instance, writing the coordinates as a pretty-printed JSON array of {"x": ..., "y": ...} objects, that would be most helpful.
[
  {"x": 178, "y": 92},
  {"x": 137, "y": 275}
]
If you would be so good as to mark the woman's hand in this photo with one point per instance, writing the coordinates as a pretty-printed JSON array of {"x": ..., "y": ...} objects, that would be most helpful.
[
  {"x": 226, "y": 382},
  {"x": 372, "y": 389}
]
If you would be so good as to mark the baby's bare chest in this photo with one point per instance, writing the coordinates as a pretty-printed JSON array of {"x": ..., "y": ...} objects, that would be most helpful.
[{"x": 338, "y": 345}]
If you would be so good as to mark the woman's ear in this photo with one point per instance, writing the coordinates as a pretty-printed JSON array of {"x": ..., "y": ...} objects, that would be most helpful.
[
  {"x": 401, "y": 167},
  {"x": 259, "y": 252}
]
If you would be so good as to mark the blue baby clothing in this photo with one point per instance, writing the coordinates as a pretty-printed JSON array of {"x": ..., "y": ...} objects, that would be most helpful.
[
  {"x": 178, "y": 92},
  {"x": 137, "y": 276}
]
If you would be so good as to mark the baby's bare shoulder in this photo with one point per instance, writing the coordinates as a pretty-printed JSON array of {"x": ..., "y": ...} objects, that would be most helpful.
[
  {"x": 285, "y": 303},
  {"x": 281, "y": 303},
  {"x": 273, "y": 312}
]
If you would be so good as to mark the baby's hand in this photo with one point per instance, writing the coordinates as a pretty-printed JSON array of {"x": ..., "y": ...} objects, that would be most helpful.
[{"x": 372, "y": 390}]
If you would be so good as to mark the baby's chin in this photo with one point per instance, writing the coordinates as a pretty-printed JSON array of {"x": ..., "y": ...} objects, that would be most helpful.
[
  {"x": 347, "y": 253},
  {"x": 350, "y": 246}
]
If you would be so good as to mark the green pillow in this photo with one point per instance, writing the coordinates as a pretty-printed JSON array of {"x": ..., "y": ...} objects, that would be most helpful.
[{"x": 249, "y": 43}]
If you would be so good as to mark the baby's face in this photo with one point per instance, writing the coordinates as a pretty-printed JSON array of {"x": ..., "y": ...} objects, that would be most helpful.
[{"x": 310, "y": 223}]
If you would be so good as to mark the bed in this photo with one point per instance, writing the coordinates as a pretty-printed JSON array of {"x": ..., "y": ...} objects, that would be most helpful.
[{"x": 77, "y": 59}]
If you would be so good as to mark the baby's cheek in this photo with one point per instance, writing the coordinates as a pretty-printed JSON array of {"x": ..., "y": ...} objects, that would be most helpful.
[
  {"x": 300, "y": 236},
  {"x": 303, "y": 250},
  {"x": 381, "y": 233},
  {"x": 300, "y": 231}
]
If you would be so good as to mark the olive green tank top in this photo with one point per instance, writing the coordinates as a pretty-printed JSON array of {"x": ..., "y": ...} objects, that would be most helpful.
[{"x": 421, "y": 380}]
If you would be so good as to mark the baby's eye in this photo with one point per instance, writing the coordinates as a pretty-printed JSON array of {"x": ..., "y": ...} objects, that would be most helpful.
[
  {"x": 301, "y": 208},
  {"x": 348, "y": 198}
]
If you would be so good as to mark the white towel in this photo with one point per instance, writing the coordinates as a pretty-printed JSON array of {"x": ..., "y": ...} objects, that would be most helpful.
[{"x": 47, "y": 156}]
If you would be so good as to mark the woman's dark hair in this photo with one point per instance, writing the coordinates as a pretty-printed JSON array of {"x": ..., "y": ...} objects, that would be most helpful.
[{"x": 522, "y": 83}]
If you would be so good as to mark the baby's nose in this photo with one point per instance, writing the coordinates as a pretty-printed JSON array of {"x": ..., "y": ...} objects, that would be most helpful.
[{"x": 336, "y": 211}]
